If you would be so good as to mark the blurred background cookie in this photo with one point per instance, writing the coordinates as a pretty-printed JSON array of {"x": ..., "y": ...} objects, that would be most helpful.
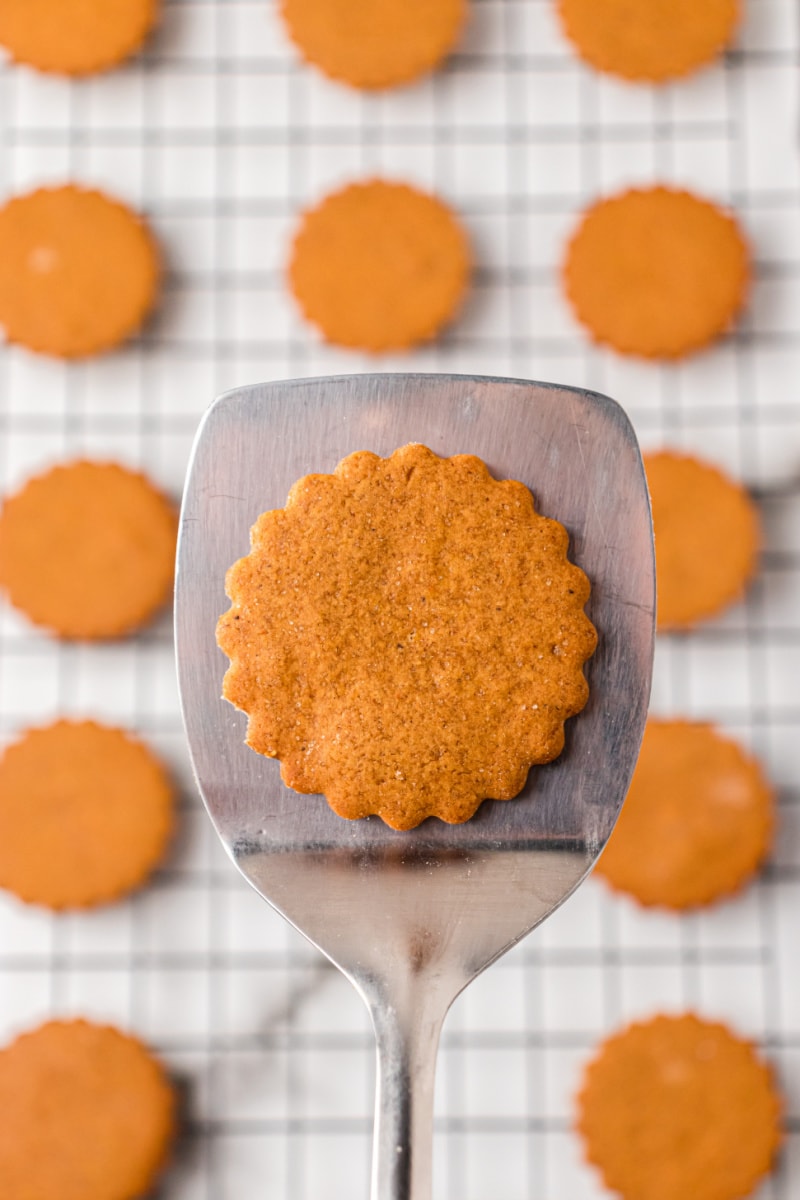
[
  {"x": 79, "y": 272},
  {"x": 379, "y": 266},
  {"x": 378, "y": 44},
  {"x": 656, "y": 272},
  {"x": 649, "y": 40},
  {"x": 707, "y": 534},
  {"x": 678, "y": 1107},
  {"x": 697, "y": 821},
  {"x": 87, "y": 549},
  {"x": 75, "y": 37},
  {"x": 88, "y": 1114},
  {"x": 86, "y": 813}
]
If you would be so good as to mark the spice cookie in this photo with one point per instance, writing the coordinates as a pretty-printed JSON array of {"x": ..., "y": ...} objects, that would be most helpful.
[
  {"x": 79, "y": 272},
  {"x": 86, "y": 813},
  {"x": 88, "y": 549},
  {"x": 407, "y": 636},
  {"x": 656, "y": 272},
  {"x": 707, "y": 538},
  {"x": 379, "y": 266},
  {"x": 88, "y": 1114},
  {"x": 74, "y": 37},
  {"x": 678, "y": 1107},
  {"x": 375, "y": 45},
  {"x": 697, "y": 821},
  {"x": 649, "y": 40}
]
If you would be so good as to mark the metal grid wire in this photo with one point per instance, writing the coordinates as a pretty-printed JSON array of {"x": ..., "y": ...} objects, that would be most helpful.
[{"x": 220, "y": 136}]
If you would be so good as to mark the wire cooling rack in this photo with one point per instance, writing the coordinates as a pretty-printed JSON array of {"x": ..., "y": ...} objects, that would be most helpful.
[{"x": 220, "y": 136}]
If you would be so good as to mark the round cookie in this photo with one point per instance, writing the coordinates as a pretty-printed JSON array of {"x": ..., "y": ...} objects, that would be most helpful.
[
  {"x": 88, "y": 1114},
  {"x": 656, "y": 272},
  {"x": 678, "y": 1107},
  {"x": 407, "y": 636},
  {"x": 707, "y": 538},
  {"x": 74, "y": 37},
  {"x": 649, "y": 40},
  {"x": 79, "y": 271},
  {"x": 379, "y": 266},
  {"x": 86, "y": 813},
  {"x": 697, "y": 821},
  {"x": 88, "y": 549},
  {"x": 374, "y": 45}
]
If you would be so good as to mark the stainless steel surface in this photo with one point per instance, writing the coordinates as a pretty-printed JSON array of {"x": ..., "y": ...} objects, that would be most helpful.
[{"x": 411, "y": 918}]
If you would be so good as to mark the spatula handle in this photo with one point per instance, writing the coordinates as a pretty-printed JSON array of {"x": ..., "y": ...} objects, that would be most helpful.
[{"x": 407, "y": 1040}]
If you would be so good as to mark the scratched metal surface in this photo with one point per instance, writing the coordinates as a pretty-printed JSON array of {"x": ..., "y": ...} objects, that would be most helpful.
[{"x": 219, "y": 135}]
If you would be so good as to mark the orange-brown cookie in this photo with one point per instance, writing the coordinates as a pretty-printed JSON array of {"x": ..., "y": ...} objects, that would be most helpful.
[
  {"x": 649, "y": 40},
  {"x": 78, "y": 271},
  {"x": 678, "y": 1107},
  {"x": 88, "y": 549},
  {"x": 86, "y": 813},
  {"x": 407, "y": 636},
  {"x": 697, "y": 821},
  {"x": 657, "y": 273},
  {"x": 74, "y": 37},
  {"x": 379, "y": 266},
  {"x": 375, "y": 45},
  {"x": 88, "y": 1114},
  {"x": 707, "y": 537}
]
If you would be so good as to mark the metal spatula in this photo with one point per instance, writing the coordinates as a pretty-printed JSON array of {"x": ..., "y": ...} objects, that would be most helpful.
[{"x": 411, "y": 918}]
